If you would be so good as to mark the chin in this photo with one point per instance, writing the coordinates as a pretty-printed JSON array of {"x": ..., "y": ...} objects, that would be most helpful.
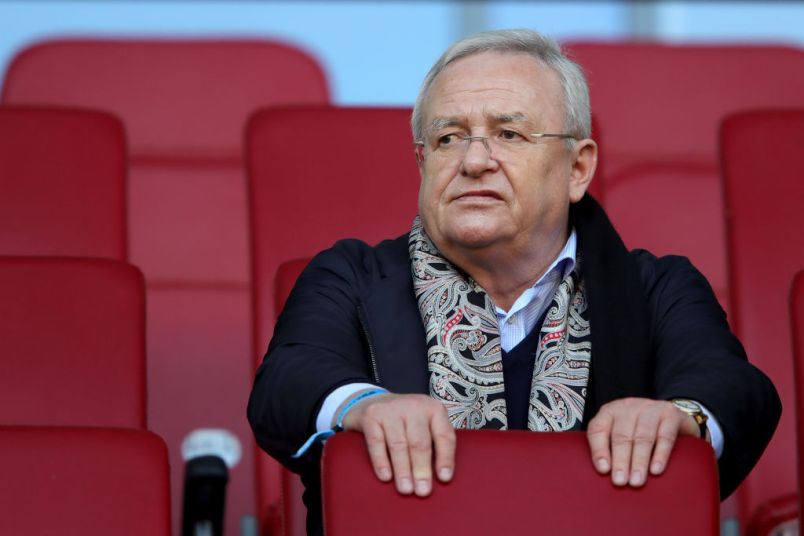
[{"x": 474, "y": 237}]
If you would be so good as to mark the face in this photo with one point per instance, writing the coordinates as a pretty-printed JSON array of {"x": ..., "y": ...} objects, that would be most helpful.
[{"x": 518, "y": 196}]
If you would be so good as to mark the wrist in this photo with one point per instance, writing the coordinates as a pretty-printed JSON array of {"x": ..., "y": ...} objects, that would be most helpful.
[
  {"x": 351, "y": 403},
  {"x": 695, "y": 412}
]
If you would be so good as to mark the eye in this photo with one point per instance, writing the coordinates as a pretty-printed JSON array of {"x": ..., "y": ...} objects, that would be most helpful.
[
  {"x": 510, "y": 135},
  {"x": 448, "y": 140}
]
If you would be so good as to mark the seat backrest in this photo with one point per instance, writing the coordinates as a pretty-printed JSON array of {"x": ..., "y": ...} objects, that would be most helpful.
[
  {"x": 87, "y": 481},
  {"x": 294, "y": 513},
  {"x": 662, "y": 102},
  {"x": 659, "y": 107},
  {"x": 62, "y": 183},
  {"x": 672, "y": 208},
  {"x": 343, "y": 181},
  {"x": 521, "y": 479},
  {"x": 185, "y": 104},
  {"x": 762, "y": 165},
  {"x": 73, "y": 342},
  {"x": 797, "y": 327}
]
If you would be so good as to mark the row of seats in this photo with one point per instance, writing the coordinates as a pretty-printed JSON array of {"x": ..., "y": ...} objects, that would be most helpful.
[
  {"x": 181, "y": 107},
  {"x": 180, "y": 214}
]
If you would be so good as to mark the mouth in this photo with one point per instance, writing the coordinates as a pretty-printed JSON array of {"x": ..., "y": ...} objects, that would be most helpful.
[{"x": 479, "y": 195}]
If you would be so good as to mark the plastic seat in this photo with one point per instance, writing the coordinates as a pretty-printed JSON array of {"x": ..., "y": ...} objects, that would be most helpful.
[
  {"x": 87, "y": 481},
  {"x": 184, "y": 104},
  {"x": 507, "y": 482},
  {"x": 762, "y": 169},
  {"x": 342, "y": 181},
  {"x": 797, "y": 327},
  {"x": 294, "y": 513},
  {"x": 664, "y": 103},
  {"x": 659, "y": 107},
  {"x": 62, "y": 183},
  {"x": 73, "y": 342},
  {"x": 672, "y": 208}
]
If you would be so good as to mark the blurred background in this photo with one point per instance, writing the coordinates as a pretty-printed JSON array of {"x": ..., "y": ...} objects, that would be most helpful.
[
  {"x": 378, "y": 52},
  {"x": 188, "y": 227}
]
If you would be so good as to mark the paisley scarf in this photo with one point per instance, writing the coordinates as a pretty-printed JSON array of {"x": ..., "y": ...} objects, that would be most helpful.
[{"x": 464, "y": 354}]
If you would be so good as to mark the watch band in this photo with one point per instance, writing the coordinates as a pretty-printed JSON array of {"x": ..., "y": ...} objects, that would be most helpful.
[{"x": 694, "y": 410}]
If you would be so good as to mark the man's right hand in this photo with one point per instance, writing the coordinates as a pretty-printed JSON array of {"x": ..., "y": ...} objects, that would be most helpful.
[{"x": 401, "y": 432}]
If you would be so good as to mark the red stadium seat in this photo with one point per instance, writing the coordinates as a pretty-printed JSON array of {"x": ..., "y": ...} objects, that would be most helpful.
[
  {"x": 73, "y": 342},
  {"x": 660, "y": 102},
  {"x": 762, "y": 169},
  {"x": 294, "y": 513},
  {"x": 342, "y": 181},
  {"x": 508, "y": 481},
  {"x": 184, "y": 104},
  {"x": 797, "y": 327},
  {"x": 62, "y": 183},
  {"x": 286, "y": 275},
  {"x": 87, "y": 481},
  {"x": 672, "y": 208},
  {"x": 659, "y": 107}
]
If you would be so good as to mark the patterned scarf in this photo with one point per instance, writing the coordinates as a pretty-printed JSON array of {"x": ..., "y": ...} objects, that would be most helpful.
[{"x": 464, "y": 354}]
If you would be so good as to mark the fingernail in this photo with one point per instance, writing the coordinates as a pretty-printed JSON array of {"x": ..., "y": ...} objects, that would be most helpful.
[
  {"x": 445, "y": 474},
  {"x": 405, "y": 486},
  {"x": 384, "y": 474},
  {"x": 422, "y": 487},
  {"x": 619, "y": 478},
  {"x": 637, "y": 478},
  {"x": 603, "y": 465},
  {"x": 656, "y": 468}
]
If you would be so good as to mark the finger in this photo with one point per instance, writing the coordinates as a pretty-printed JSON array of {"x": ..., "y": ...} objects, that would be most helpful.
[
  {"x": 598, "y": 434},
  {"x": 420, "y": 448},
  {"x": 444, "y": 443},
  {"x": 622, "y": 442},
  {"x": 644, "y": 439},
  {"x": 378, "y": 451},
  {"x": 665, "y": 440},
  {"x": 396, "y": 440}
]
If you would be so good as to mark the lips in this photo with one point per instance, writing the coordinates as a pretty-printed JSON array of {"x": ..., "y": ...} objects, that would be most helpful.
[{"x": 475, "y": 194}]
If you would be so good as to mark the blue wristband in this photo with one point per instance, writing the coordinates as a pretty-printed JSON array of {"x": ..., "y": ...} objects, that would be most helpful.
[{"x": 321, "y": 436}]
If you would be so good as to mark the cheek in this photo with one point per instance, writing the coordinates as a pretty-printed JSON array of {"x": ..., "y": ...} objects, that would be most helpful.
[
  {"x": 431, "y": 190},
  {"x": 426, "y": 197}
]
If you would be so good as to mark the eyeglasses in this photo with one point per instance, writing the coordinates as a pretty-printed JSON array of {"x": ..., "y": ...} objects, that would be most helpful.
[{"x": 500, "y": 144}]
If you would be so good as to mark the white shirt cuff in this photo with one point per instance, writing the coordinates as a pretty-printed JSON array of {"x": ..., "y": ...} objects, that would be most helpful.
[
  {"x": 715, "y": 433},
  {"x": 334, "y": 400}
]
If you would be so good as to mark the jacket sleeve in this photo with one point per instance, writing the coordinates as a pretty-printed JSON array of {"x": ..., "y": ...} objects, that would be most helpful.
[
  {"x": 318, "y": 345},
  {"x": 698, "y": 357}
]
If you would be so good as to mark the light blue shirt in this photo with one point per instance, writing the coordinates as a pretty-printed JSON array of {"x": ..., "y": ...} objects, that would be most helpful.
[{"x": 521, "y": 318}]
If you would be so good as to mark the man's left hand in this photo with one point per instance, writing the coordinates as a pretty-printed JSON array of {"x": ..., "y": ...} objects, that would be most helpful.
[{"x": 633, "y": 435}]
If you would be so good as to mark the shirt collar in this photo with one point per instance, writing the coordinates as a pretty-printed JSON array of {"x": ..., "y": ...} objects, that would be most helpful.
[{"x": 559, "y": 269}]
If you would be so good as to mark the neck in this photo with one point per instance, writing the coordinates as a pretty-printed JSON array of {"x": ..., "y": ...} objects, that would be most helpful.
[{"x": 505, "y": 272}]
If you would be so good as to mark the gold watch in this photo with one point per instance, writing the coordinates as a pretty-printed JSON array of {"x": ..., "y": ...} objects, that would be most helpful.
[{"x": 694, "y": 410}]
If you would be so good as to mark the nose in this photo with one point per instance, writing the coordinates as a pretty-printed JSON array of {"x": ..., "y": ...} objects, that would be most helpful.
[{"x": 478, "y": 158}]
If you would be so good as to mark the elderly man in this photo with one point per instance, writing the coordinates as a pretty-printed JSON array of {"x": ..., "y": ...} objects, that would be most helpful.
[{"x": 511, "y": 303}]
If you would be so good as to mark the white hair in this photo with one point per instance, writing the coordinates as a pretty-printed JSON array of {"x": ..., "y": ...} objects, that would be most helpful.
[{"x": 577, "y": 115}]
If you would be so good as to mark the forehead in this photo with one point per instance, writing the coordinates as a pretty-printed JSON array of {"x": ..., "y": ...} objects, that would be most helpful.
[{"x": 491, "y": 84}]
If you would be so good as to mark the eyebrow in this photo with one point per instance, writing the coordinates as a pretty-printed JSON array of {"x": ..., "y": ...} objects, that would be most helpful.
[
  {"x": 508, "y": 117},
  {"x": 512, "y": 117},
  {"x": 443, "y": 122}
]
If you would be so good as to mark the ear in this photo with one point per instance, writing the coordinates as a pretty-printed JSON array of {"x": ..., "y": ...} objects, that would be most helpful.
[{"x": 584, "y": 163}]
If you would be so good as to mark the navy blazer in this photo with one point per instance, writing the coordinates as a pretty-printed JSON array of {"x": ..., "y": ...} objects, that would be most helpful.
[{"x": 657, "y": 332}]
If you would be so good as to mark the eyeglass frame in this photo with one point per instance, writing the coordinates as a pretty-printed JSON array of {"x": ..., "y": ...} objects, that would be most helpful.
[{"x": 485, "y": 141}]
